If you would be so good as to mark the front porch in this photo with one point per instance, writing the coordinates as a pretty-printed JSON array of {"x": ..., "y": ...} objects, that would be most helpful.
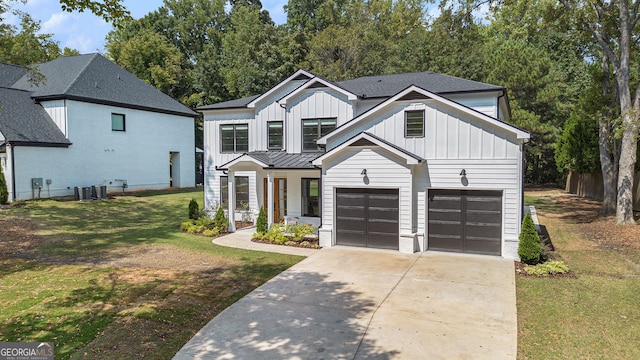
[{"x": 286, "y": 185}]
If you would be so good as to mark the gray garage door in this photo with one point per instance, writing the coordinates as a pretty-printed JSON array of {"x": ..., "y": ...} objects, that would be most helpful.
[
  {"x": 367, "y": 218},
  {"x": 468, "y": 221}
]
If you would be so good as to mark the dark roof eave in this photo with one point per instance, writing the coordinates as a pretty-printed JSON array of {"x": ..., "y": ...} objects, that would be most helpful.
[
  {"x": 114, "y": 103},
  {"x": 204, "y": 108},
  {"x": 38, "y": 144}
]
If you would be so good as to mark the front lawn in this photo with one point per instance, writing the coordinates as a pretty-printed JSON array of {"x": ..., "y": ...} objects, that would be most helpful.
[
  {"x": 595, "y": 314},
  {"x": 116, "y": 278}
]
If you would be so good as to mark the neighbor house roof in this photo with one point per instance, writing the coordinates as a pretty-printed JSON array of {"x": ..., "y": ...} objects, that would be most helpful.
[
  {"x": 276, "y": 160},
  {"x": 382, "y": 86},
  {"x": 9, "y": 74},
  {"x": 92, "y": 78},
  {"x": 23, "y": 121}
]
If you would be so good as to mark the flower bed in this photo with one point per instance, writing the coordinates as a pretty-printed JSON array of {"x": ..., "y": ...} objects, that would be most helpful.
[{"x": 302, "y": 235}]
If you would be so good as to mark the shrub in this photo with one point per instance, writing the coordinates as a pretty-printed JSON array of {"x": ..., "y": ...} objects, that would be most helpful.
[
  {"x": 300, "y": 231},
  {"x": 221, "y": 222},
  {"x": 548, "y": 268},
  {"x": 210, "y": 232},
  {"x": 4, "y": 193},
  {"x": 529, "y": 249},
  {"x": 261, "y": 223},
  {"x": 194, "y": 211}
]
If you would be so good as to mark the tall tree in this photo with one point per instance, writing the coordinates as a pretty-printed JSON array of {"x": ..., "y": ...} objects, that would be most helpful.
[{"x": 613, "y": 26}]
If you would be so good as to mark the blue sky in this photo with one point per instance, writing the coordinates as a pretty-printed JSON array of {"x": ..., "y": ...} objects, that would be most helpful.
[{"x": 86, "y": 32}]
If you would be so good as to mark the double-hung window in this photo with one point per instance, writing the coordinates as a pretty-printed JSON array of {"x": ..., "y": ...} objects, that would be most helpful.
[
  {"x": 310, "y": 197},
  {"x": 234, "y": 138},
  {"x": 313, "y": 129},
  {"x": 118, "y": 122},
  {"x": 242, "y": 191},
  {"x": 414, "y": 123},
  {"x": 275, "y": 135}
]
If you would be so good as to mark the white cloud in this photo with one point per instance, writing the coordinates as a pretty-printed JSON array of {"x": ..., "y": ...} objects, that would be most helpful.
[
  {"x": 81, "y": 43},
  {"x": 61, "y": 22}
]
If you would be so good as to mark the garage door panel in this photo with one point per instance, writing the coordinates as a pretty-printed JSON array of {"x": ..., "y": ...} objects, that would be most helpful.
[
  {"x": 367, "y": 217},
  {"x": 465, "y": 221}
]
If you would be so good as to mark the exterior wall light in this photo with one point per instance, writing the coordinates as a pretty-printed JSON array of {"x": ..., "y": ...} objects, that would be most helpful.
[{"x": 364, "y": 172}]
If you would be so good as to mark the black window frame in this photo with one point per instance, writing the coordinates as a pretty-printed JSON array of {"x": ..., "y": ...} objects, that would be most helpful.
[
  {"x": 124, "y": 122},
  {"x": 318, "y": 134},
  {"x": 269, "y": 147},
  {"x": 235, "y": 138},
  {"x": 406, "y": 123},
  {"x": 306, "y": 197},
  {"x": 224, "y": 195}
]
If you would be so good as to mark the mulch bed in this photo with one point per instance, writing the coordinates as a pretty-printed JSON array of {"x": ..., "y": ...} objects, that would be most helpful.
[{"x": 313, "y": 244}]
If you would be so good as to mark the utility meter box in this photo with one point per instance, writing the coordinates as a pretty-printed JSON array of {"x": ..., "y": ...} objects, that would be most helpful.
[{"x": 36, "y": 183}]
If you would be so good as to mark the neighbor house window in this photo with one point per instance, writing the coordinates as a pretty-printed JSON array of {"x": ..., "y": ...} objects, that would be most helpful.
[
  {"x": 117, "y": 122},
  {"x": 414, "y": 123},
  {"x": 313, "y": 129},
  {"x": 275, "y": 135},
  {"x": 234, "y": 137},
  {"x": 242, "y": 191},
  {"x": 310, "y": 197}
]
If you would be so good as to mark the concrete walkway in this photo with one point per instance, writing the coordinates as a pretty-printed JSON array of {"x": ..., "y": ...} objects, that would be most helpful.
[
  {"x": 345, "y": 303},
  {"x": 242, "y": 239}
]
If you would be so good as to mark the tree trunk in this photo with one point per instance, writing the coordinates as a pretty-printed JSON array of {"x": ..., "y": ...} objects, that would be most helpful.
[
  {"x": 607, "y": 145},
  {"x": 626, "y": 170}
]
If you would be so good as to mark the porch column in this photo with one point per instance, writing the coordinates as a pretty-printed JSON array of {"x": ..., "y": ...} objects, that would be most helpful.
[
  {"x": 231, "y": 180},
  {"x": 270, "y": 198}
]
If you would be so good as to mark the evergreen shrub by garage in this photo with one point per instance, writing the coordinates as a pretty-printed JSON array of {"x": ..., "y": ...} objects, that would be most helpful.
[
  {"x": 261, "y": 222},
  {"x": 4, "y": 193},
  {"x": 529, "y": 249}
]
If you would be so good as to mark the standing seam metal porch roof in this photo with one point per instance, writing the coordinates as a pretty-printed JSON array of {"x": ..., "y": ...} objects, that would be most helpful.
[{"x": 280, "y": 159}]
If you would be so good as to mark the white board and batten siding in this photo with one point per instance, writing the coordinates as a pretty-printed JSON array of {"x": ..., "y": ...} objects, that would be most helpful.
[
  {"x": 57, "y": 110},
  {"x": 453, "y": 141},
  {"x": 384, "y": 170},
  {"x": 315, "y": 104}
]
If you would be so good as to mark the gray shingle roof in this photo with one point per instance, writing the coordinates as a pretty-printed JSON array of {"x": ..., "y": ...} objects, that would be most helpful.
[
  {"x": 282, "y": 160},
  {"x": 385, "y": 86},
  {"x": 9, "y": 74},
  {"x": 23, "y": 121},
  {"x": 231, "y": 104},
  {"x": 388, "y": 85},
  {"x": 93, "y": 78}
]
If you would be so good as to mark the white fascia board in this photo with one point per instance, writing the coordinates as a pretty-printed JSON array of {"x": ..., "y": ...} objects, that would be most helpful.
[
  {"x": 520, "y": 134},
  {"x": 253, "y": 104},
  {"x": 411, "y": 160},
  {"x": 350, "y": 96},
  {"x": 242, "y": 158}
]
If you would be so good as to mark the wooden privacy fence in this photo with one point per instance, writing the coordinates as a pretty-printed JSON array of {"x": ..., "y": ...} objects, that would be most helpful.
[{"x": 591, "y": 185}]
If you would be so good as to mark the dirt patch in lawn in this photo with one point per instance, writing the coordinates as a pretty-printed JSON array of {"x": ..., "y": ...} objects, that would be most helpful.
[
  {"x": 18, "y": 235},
  {"x": 585, "y": 213}
]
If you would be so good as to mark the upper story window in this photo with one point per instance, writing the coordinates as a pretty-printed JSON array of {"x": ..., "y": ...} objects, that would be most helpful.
[
  {"x": 313, "y": 129},
  {"x": 117, "y": 122},
  {"x": 414, "y": 123},
  {"x": 234, "y": 137},
  {"x": 275, "y": 135}
]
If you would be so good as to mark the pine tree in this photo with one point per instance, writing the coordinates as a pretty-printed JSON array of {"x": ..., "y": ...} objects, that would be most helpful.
[
  {"x": 529, "y": 249},
  {"x": 4, "y": 193}
]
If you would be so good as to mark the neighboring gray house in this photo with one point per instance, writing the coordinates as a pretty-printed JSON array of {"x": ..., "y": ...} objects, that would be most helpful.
[
  {"x": 90, "y": 123},
  {"x": 408, "y": 162}
]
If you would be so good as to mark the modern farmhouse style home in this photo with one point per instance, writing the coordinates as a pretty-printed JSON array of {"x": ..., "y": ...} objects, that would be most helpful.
[
  {"x": 407, "y": 162},
  {"x": 90, "y": 123}
]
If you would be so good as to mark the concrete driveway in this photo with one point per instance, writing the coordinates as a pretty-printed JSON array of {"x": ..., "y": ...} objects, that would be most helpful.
[{"x": 344, "y": 303}]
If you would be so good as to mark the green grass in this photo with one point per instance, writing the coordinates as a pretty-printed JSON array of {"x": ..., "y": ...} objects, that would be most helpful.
[
  {"x": 595, "y": 314},
  {"x": 114, "y": 312}
]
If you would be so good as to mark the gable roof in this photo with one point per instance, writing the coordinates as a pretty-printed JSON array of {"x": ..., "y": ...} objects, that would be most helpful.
[
  {"x": 92, "y": 78},
  {"x": 367, "y": 139},
  {"x": 318, "y": 81},
  {"x": 276, "y": 160},
  {"x": 413, "y": 91},
  {"x": 381, "y": 86},
  {"x": 23, "y": 121}
]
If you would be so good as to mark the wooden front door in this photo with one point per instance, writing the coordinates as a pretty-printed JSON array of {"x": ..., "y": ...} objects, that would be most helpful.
[{"x": 279, "y": 198}]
